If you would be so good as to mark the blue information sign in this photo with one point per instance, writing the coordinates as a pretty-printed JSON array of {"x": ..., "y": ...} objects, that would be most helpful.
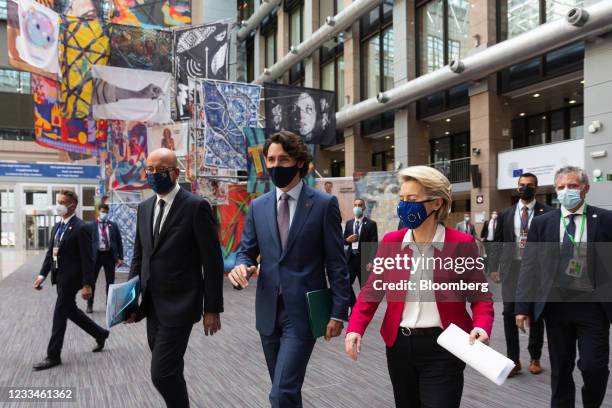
[{"x": 44, "y": 170}]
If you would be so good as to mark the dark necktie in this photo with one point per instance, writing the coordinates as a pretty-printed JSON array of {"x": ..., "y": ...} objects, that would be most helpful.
[
  {"x": 568, "y": 248},
  {"x": 58, "y": 234},
  {"x": 157, "y": 227},
  {"x": 525, "y": 220},
  {"x": 282, "y": 218},
  {"x": 356, "y": 231}
]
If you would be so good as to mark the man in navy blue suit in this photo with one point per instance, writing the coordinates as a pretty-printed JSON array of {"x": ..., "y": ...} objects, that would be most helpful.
[
  {"x": 296, "y": 230},
  {"x": 107, "y": 249},
  {"x": 70, "y": 261},
  {"x": 566, "y": 273}
]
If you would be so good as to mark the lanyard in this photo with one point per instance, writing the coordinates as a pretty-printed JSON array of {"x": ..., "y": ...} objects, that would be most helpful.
[{"x": 582, "y": 224}]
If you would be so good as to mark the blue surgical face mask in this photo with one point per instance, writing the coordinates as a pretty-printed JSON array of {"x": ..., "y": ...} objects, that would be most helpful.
[
  {"x": 358, "y": 211},
  {"x": 569, "y": 198},
  {"x": 103, "y": 216},
  {"x": 413, "y": 213},
  {"x": 161, "y": 183}
]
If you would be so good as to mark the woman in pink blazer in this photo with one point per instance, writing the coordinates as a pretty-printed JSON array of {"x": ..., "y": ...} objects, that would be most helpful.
[{"x": 423, "y": 373}]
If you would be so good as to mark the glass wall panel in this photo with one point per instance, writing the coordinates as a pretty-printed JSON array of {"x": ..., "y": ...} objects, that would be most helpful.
[{"x": 431, "y": 36}]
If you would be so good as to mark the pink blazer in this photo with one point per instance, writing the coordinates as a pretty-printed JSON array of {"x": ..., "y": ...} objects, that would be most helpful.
[{"x": 451, "y": 305}]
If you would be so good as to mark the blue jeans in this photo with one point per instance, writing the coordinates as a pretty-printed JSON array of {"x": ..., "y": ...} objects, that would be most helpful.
[{"x": 287, "y": 357}]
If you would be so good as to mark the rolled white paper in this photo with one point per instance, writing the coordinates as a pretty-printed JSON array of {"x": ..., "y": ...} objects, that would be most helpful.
[{"x": 482, "y": 358}]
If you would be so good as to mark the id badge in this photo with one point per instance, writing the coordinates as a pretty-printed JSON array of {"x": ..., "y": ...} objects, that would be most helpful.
[
  {"x": 574, "y": 268},
  {"x": 355, "y": 245},
  {"x": 522, "y": 241}
]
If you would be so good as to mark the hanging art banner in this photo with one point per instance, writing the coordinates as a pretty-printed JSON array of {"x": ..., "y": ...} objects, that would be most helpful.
[
  {"x": 77, "y": 136},
  {"x": 131, "y": 94},
  {"x": 139, "y": 48},
  {"x": 124, "y": 214},
  {"x": 215, "y": 191},
  {"x": 173, "y": 137},
  {"x": 228, "y": 109},
  {"x": 231, "y": 218},
  {"x": 33, "y": 32},
  {"x": 202, "y": 52},
  {"x": 128, "y": 154},
  {"x": 151, "y": 13},
  {"x": 84, "y": 43},
  {"x": 89, "y": 9},
  {"x": 307, "y": 112},
  {"x": 379, "y": 190},
  {"x": 258, "y": 178}
]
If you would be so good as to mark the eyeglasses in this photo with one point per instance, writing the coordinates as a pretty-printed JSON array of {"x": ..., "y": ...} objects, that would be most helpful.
[{"x": 153, "y": 170}]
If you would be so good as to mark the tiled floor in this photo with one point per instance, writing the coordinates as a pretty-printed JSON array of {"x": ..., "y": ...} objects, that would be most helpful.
[{"x": 11, "y": 259}]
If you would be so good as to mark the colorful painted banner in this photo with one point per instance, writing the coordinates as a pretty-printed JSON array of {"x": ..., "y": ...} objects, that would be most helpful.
[
  {"x": 139, "y": 48},
  {"x": 128, "y": 154},
  {"x": 84, "y": 43},
  {"x": 125, "y": 217},
  {"x": 151, "y": 13}
]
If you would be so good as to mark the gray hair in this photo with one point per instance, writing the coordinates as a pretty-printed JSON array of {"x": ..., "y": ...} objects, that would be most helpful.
[{"x": 584, "y": 179}]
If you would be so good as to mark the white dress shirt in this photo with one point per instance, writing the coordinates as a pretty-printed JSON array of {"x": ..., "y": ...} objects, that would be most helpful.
[
  {"x": 294, "y": 196},
  {"x": 169, "y": 199},
  {"x": 417, "y": 313},
  {"x": 491, "y": 229},
  {"x": 577, "y": 221}
]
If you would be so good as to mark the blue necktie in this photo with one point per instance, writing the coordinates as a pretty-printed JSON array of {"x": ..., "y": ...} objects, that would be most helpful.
[{"x": 58, "y": 234}]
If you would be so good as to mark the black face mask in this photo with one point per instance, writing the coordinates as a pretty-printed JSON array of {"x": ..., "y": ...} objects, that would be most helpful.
[
  {"x": 527, "y": 192},
  {"x": 282, "y": 176}
]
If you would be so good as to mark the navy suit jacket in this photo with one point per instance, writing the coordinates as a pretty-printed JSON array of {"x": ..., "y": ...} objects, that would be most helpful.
[
  {"x": 75, "y": 256},
  {"x": 540, "y": 263},
  {"x": 314, "y": 246},
  {"x": 114, "y": 236},
  {"x": 368, "y": 233}
]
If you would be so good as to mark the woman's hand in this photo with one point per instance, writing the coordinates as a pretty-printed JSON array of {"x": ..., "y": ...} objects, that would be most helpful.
[
  {"x": 479, "y": 334},
  {"x": 352, "y": 345}
]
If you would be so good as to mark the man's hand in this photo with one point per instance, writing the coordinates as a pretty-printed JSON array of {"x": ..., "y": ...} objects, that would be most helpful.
[
  {"x": 131, "y": 319},
  {"x": 86, "y": 292},
  {"x": 352, "y": 238},
  {"x": 522, "y": 322},
  {"x": 212, "y": 323},
  {"x": 352, "y": 345},
  {"x": 495, "y": 277},
  {"x": 119, "y": 262},
  {"x": 239, "y": 276},
  {"x": 480, "y": 335},
  {"x": 38, "y": 283},
  {"x": 334, "y": 328}
]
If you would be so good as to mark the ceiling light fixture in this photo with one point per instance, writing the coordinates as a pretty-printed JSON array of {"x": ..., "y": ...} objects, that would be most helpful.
[{"x": 536, "y": 95}]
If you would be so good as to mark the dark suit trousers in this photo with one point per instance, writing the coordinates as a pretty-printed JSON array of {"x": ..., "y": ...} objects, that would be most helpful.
[
  {"x": 423, "y": 374},
  {"x": 588, "y": 325},
  {"x": 66, "y": 308},
  {"x": 105, "y": 260},
  {"x": 287, "y": 357},
  {"x": 168, "y": 346},
  {"x": 536, "y": 328},
  {"x": 354, "y": 267}
]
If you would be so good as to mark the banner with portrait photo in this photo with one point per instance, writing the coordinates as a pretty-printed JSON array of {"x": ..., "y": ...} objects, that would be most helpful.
[
  {"x": 131, "y": 94},
  {"x": 33, "y": 32},
  {"x": 89, "y": 9},
  {"x": 139, "y": 48},
  {"x": 201, "y": 52},
  {"x": 151, "y": 13},
  {"x": 307, "y": 112},
  {"x": 173, "y": 137},
  {"x": 128, "y": 154}
]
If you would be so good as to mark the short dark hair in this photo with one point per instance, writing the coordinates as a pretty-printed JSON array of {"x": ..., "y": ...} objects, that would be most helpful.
[
  {"x": 103, "y": 206},
  {"x": 529, "y": 175},
  {"x": 328, "y": 182},
  {"x": 360, "y": 199},
  {"x": 293, "y": 145},
  {"x": 71, "y": 195}
]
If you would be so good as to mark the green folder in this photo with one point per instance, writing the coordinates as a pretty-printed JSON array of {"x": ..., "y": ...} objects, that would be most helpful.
[{"x": 319, "y": 310}]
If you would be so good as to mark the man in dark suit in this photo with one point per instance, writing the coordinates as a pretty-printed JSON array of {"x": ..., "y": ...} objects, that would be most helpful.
[
  {"x": 466, "y": 226},
  {"x": 505, "y": 262},
  {"x": 488, "y": 228},
  {"x": 176, "y": 238},
  {"x": 359, "y": 230},
  {"x": 69, "y": 258},
  {"x": 108, "y": 250},
  {"x": 299, "y": 252},
  {"x": 566, "y": 274}
]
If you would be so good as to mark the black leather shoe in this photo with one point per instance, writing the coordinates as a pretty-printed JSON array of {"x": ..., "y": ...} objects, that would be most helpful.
[
  {"x": 100, "y": 344},
  {"x": 47, "y": 363},
  {"x": 89, "y": 309}
]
